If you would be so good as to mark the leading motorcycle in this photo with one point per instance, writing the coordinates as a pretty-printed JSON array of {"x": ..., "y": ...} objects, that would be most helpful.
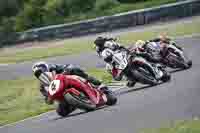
[
  {"x": 176, "y": 58},
  {"x": 172, "y": 56}
]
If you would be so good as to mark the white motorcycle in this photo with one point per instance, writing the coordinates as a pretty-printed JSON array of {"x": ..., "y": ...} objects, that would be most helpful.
[{"x": 138, "y": 69}]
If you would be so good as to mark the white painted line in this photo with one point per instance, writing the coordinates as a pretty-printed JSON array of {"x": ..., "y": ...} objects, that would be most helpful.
[
  {"x": 29, "y": 118},
  {"x": 4, "y": 64},
  {"x": 119, "y": 84}
]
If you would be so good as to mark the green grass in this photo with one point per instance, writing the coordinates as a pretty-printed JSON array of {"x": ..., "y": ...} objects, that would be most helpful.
[
  {"x": 21, "y": 98},
  {"x": 101, "y": 75},
  {"x": 71, "y": 47},
  {"x": 189, "y": 126},
  {"x": 76, "y": 46},
  {"x": 18, "y": 99}
]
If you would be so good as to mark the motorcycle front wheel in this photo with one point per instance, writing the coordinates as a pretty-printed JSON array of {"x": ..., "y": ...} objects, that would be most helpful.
[
  {"x": 64, "y": 109},
  {"x": 111, "y": 99},
  {"x": 79, "y": 102}
]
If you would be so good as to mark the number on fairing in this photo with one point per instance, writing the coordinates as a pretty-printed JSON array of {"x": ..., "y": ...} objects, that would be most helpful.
[{"x": 54, "y": 86}]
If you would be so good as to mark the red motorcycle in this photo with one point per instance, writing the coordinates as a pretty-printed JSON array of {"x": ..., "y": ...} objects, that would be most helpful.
[{"x": 74, "y": 92}]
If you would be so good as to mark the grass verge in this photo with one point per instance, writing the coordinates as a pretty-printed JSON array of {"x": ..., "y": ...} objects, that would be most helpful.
[
  {"x": 76, "y": 46},
  {"x": 189, "y": 126},
  {"x": 21, "y": 98}
]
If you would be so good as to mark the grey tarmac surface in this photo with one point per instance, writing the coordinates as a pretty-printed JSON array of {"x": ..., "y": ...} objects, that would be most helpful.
[
  {"x": 137, "y": 108},
  {"x": 84, "y": 60}
]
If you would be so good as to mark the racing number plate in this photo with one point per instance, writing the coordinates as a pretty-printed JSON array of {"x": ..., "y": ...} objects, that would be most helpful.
[{"x": 54, "y": 86}]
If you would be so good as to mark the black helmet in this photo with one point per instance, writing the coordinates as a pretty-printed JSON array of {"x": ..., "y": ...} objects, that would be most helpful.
[{"x": 99, "y": 42}]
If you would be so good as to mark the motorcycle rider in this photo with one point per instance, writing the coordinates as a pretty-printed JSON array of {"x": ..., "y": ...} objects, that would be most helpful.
[
  {"x": 142, "y": 49},
  {"x": 105, "y": 47},
  {"x": 162, "y": 40},
  {"x": 45, "y": 72}
]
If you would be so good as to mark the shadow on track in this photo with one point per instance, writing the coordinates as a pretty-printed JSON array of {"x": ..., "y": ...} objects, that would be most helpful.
[
  {"x": 78, "y": 113},
  {"x": 129, "y": 90},
  {"x": 133, "y": 90},
  {"x": 125, "y": 90},
  {"x": 176, "y": 70},
  {"x": 71, "y": 115}
]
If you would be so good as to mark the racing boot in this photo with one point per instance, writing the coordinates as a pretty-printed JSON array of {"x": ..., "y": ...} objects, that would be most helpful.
[
  {"x": 111, "y": 98},
  {"x": 104, "y": 89},
  {"x": 44, "y": 92},
  {"x": 94, "y": 81},
  {"x": 131, "y": 83}
]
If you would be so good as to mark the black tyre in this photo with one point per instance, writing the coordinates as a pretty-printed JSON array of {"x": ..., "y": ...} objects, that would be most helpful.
[
  {"x": 166, "y": 77},
  {"x": 145, "y": 79},
  {"x": 80, "y": 103},
  {"x": 112, "y": 99},
  {"x": 64, "y": 109},
  {"x": 189, "y": 63},
  {"x": 130, "y": 83},
  {"x": 185, "y": 62}
]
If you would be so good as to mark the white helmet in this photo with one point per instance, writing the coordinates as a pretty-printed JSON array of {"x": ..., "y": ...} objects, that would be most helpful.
[
  {"x": 43, "y": 66},
  {"x": 41, "y": 71}
]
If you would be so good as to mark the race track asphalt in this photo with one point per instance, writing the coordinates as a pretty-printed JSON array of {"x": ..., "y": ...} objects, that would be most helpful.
[{"x": 137, "y": 108}]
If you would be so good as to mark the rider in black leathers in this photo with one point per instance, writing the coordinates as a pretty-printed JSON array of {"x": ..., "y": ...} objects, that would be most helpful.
[
  {"x": 45, "y": 73},
  {"x": 40, "y": 68}
]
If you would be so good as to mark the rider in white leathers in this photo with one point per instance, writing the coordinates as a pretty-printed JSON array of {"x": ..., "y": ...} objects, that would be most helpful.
[{"x": 105, "y": 48}]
